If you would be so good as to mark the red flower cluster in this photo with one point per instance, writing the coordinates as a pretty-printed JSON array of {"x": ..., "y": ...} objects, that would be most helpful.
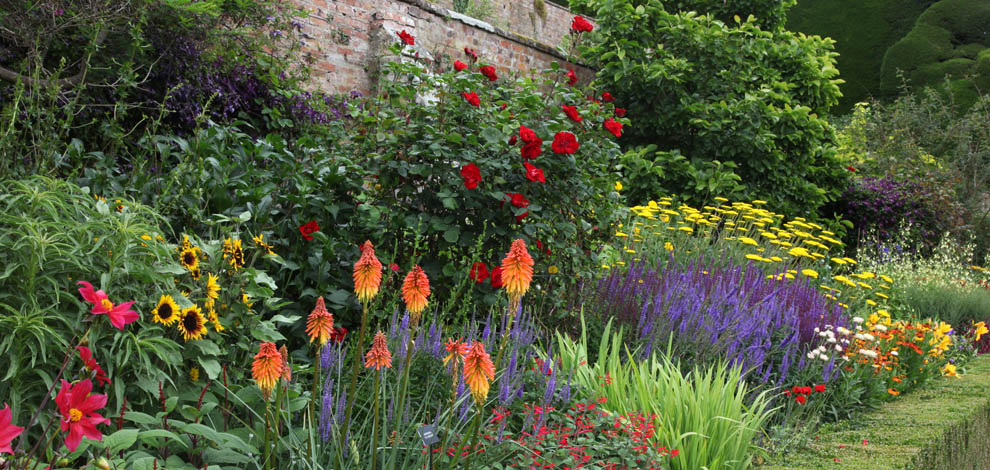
[
  {"x": 614, "y": 127},
  {"x": 472, "y": 99},
  {"x": 473, "y": 54},
  {"x": 801, "y": 393},
  {"x": 472, "y": 175},
  {"x": 533, "y": 145},
  {"x": 534, "y": 174},
  {"x": 572, "y": 113},
  {"x": 572, "y": 77},
  {"x": 581, "y": 25},
  {"x": 407, "y": 38},
  {"x": 308, "y": 228},
  {"x": 489, "y": 72},
  {"x": 459, "y": 66},
  {"x": 565, "y": 143}
]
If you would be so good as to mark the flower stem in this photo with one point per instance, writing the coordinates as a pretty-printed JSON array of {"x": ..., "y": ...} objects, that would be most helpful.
[
  {"x": 374, "y": 426},
  {"x": 402, "y": 393},
  {"x": 354, "y": 371}
]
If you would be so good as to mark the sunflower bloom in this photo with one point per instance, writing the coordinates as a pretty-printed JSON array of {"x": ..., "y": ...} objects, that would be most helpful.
[
  {"x": 233, "y": 252},
  {"x": 517, "y": 271},
  {"x": 267, "y": 368},
  {"x": 320, "y": 323},
  {"x": 212, "y": 290},
  {"x": 478, "y": 371},
  {"x": 367, "y": 274},
  {"x": 378, "y": 356},
  {"x": 192, "y": 324},
  {"x": 189, "y": 258},
  {"x": 166, "y": 312},
  {"x": 215, "y": 320},
  {"x": 415, "y": 290}
]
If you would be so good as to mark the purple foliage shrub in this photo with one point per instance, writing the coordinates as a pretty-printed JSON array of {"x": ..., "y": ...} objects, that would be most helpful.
[
  {"x": 880, "y": 206},
  {"x": 708, "y": 312}
]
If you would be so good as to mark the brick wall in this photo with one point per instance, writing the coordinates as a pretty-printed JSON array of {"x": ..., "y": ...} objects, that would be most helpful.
[{"x": 346, "y": 39}]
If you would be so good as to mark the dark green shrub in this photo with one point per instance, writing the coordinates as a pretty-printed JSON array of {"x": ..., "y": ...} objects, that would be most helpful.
[
  {"x": 715, "y": 92},
  {"x": 769, "y": 14}
]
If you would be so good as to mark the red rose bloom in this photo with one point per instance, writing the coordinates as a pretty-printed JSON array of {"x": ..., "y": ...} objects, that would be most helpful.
[
  {"x": 489, "y": 71},
  {"x": 527, "y": 135},
  {"x": 472, "y": 175},
  {"x": 801, "y": 399},
  {"x": 338, "y": 334},
  {"x": 512, "y": 140},
  {"x": 614, "y": 127},
  {"x": 472, "y": 99},
  {"x": 572, "y": 77},
  {"x": 820, "y": 388},
  {"x": 471, "y": 53},
  {"x": 607, "y": 97},
  {"x": 308, "y": 228},
  {"x": 851, "y": 169},
  {"x": 620, "y": 112},
  {"x": 479, "y": 272},
  {"x": 497, "y": 277},
  {"x": 581, "y": 25},
  {"x": 572, "y": 113},
  {"x": 534, "y": 174},
  {"x": 565, "y": 143},
  {"x": 532, "y": 150},
  {"x": 407, "y": 38},
  {"x": 458, "y": 65},
  {"x": 518, "y": 200}
]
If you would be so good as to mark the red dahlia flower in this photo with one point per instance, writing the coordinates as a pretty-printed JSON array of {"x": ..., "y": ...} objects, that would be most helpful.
[
  {"x": 572, "y": 113},
  {"x": 472, "y": 175},
  {"x": 308, "y": 228},
  {"x": 92, "y": 366},
  {"x": 78, "y": 409},
  {"x": 581, "y": 25},
  {"x": 7, "y": 431},
  {"x": 479, "y": 272},
  {"x": 565, "y": 143},
  {"x": 407, "y": 38},
  {"x": 534, "y": 174},
  {"x": 459, "y": 66},
  {"x": 472, "y": 99},
  {"x": 489, "y": 72},
  {"x": 572, "y": 77},
  {"x": 120, "y": 315},
  {"x": 614, "y": 127}
]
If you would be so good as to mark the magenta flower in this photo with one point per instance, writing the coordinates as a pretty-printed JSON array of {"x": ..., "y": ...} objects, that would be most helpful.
[{"x": 120, "y": 315}]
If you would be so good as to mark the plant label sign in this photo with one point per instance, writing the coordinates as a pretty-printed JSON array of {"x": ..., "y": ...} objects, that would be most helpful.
[{"x": 428, "y": 434}]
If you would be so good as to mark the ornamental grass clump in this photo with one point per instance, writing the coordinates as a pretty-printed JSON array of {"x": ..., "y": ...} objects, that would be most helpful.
[{"x": 708, "y": 313}]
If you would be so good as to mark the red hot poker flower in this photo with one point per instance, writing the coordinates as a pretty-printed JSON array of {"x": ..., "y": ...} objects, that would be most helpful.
[
  {"x": 367, "y": 274},
  {"x": 489, "y": 72},
  {"x": 472, "y": 99},
  {"x": 379, "y": 355},
  {"x": 78, "y": 409},
  {"x": 7, "y": 431},
  {"x": 407, "y": 38},
  {"x": 572, "y": 113},
  {"x": 572, "y": 77},
  {"x": 565, "y": 143},
  {"x": 415, "y": 290},
  {"x": 581, "y": 25},
  {"x": 614, "y": 127},
  {"x": 120, "y": 315},
  {"x": 319, "y": 325},
  {"x": 479, "y": 272},
  {"x": 534, "y": 174},
  {"x": 92, "y": 366},
  {"x": 267, "y": 368},
  {"x": 308, "y": 228},
  {"x": 472, "y": 175},
  {"x": 459, "y": 66}
]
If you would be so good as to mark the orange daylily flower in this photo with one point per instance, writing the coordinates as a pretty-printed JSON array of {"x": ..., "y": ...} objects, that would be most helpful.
[
  {"x": 267, "y": 368},
  {"x": 378, "y": 356},
  {"x": 320, "y": 323},
  {"x": 478, "y": 371},
  {"x": 415, "y": 290},
  {"x": 367, "y": 274}
]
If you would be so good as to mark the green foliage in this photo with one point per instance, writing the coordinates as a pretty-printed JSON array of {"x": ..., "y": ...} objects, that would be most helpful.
[
  {"x": 948, "y": 39},
  {"x": 769, "y": 14},
  {"x": 961, "y": 305},
  {"x": 721, "y": 92},
  {"x": 708, "y": 415},
  {"x": 862, "y": 32}
]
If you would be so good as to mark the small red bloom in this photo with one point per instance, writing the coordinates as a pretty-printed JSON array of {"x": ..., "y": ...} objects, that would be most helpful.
[
  {"x": 512, "y": 140},
  {"x": 532, "y": 150},
  {"x": 394, "y": 267},
  {"x": 534, "y": 174},
  {"x": 614, "y": 127},
  {"x": 820, "y": 388},
  {"x": 806, "y": 390},
  {"x": 496, "y": 277},
  {"x": 471, "y": 53},
  {"x": 572, "y": 113},
  {"x": 620, "y": 112},
  {"x": 850, "y": 168},
  {"x": 479, "y": 272},
  {"x": 565, "y": 143},
  {"x": 472, "y": 175},
  {"x": 338, "y": 334},
  {"x": 801, "y": 399},
  {"x": 472, "y": 99},
  {"x": 308, "y": 228},
  {"x": 607, "y": 97},
  {"x": 92, "y": 366},
  {"x": 407, "y": 38},
  {"x": 518, "y": 200},
  {"x": 489, "y": 72},
  {"x": 581, "y": 25},
  {"x": 458, "y": 65},
  {"x": 572, "y": 77}
]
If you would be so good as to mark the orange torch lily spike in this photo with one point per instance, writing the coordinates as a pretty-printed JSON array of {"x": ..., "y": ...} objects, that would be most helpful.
[
  {"x": 517, "y": 273},
  {"x": 367, "y": 274},
  {"x": 267, "y": 368},
  {"x": 378, "y": 356},
  {"x": 478, "y": 371},
  {"x": 415, "y": 290},
  {"x": 319, "y": 325}
]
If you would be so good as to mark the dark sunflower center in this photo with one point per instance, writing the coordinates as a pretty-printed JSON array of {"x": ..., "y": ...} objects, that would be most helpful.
[
  {"x": 165, "y": 312},
  {"x": 190, "y": 322},
  {"x": 189, "y": 258}
]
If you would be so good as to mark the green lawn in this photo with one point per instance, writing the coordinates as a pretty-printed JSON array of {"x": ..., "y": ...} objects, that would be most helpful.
[{"x": 944, "y": 425}]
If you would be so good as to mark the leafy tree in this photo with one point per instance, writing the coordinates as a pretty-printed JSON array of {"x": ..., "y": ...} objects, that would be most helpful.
[{"x": 719, "y": 109}]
